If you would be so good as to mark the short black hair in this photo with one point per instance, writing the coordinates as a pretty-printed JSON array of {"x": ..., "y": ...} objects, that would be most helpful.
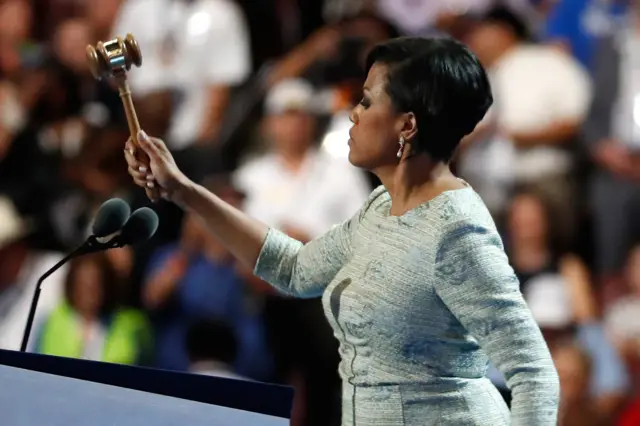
[
  {"x": 442, "y": 82},
  {"x": 211, "y": 340},
  {"x": 503, "y": 15}
]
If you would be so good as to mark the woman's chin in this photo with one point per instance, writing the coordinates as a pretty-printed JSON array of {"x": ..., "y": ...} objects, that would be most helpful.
[
  {"x": 355, "y": 156},
  {"x": 352, "y": 157}
]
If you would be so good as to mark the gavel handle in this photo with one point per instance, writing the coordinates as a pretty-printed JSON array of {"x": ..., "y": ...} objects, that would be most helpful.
[
  {"x": 134, "y": 127},
  {"x": 129, "y": 110}
]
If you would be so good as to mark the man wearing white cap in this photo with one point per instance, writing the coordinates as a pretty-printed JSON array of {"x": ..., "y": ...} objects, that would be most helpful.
[
  {"x": 303, "y": 190},
  {"x": 296, "y": 186}
]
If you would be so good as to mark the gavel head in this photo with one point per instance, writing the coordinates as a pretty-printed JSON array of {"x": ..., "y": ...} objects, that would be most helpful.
[{"x": 114, "y": 57}]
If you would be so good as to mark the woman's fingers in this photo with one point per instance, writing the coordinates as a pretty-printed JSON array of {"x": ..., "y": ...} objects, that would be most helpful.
[
  {"x": 129, "y": 156},
  {"x": 150, "y": 146},
  {"x": 136, "y": 168},
  {"x": 152, "y": 194},
  {"x": 142, "y": 179},
  {"x": 139, "y": 171},
  {"x": 136, "y": 174}
]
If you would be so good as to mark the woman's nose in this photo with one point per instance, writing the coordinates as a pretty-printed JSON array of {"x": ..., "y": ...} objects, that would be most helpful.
[{"x": 353, "y": 116}]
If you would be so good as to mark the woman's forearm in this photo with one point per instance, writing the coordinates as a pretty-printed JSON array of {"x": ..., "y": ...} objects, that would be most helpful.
[{"x": 242, "y": 235}]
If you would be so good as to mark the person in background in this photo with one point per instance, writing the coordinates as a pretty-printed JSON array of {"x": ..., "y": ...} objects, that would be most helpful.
[
  {"x": 295, "y": 185},
  {"x": 91, "y": 323},
  {"x": 622, "y": 317},
  {"x": 612, "y": 141},
  {"x": 424, "y": 17},
  {"x": 212, "y": 348},
  {"x": 72, "y": 109},
  {"x": 19, "y": 85},
  {"x": 542, "y": 97},
  {"x": 576, "y": 25},
  {"x": 196, "y": 52},
  {"x": 197, "y": 279},
  {"x": 576, "y": 404},
  {"x": 101, "y": 14},
  {"x": 21, "y": 264},
  {"x": 304, "y": 190},
  {"x": 22, "y": 80},
  {"x": 631, "y": 415},
  {"x": 556, "y": 285}
]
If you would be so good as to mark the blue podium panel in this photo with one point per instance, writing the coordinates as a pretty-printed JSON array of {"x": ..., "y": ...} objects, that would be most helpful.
[
  {"x": 29, "y": 398},
  {"x": 55, "y": 391}
]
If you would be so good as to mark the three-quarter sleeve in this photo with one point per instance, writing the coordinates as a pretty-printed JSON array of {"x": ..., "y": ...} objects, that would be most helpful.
[
  {"x": 304, "y": 270},
  {"x": 477, "y": 284}
]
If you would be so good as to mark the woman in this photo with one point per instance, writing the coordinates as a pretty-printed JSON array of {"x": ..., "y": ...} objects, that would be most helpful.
[
  {"x": 544, "y": 269},
  {"x": 90, "y": 324},
  {"x": 416, "y": 285}
]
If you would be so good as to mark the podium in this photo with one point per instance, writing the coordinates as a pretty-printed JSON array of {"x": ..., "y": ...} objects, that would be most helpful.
[{"x": 47, "y": 390}]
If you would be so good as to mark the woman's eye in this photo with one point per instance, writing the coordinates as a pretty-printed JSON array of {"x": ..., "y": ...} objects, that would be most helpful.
[{"x": 365, "y": 103}]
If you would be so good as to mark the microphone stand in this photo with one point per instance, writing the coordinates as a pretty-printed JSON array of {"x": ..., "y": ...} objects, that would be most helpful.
[{"x": 92, "y": 245}]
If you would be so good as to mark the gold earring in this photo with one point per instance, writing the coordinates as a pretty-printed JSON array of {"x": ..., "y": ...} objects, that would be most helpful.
[{"x": 401, "y": 142}]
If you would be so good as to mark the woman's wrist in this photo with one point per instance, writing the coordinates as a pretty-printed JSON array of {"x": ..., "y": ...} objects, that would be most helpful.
[{"x": 182, "y": 195}]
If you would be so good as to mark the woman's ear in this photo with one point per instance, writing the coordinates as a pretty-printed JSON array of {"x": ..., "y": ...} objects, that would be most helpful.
[{"x": 409, "y": 126}]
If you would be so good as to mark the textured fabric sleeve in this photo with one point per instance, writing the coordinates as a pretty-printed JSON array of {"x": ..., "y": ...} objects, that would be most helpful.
[
  {"x": 304, "y": 270},
  {"x": 477, "y": 284}
]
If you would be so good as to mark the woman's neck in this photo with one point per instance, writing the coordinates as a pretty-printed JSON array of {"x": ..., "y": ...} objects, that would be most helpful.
[{"x": 416, "y": 180}]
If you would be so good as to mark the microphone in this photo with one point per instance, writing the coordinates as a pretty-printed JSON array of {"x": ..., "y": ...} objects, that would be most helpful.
[
  {"x": 141, "y": 226},
  {"x": 113, "y": 216}
]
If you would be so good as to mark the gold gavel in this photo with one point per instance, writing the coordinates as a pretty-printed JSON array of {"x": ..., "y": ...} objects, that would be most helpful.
[{"x": 111, "y": 60}]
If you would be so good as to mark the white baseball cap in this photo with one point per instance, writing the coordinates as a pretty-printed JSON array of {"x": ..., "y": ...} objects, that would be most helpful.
[{"x": 290, "y": 95}]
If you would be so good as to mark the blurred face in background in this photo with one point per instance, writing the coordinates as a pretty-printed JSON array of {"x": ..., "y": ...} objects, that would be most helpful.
[
  {"x": 527, "y": 221},
  {"x": 15, "y": 28},
  {"x": 102, "y": 14},
  {"x": 290, "y": 132},
  {"x": 70, "y": 42},
  {"x": 15, "y": 21},
  {"x": 87, "y": 291},
  {"x": 489, "y": 41}
]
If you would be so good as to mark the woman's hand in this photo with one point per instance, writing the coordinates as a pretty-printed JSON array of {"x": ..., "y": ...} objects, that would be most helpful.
[{"x": 163, "y": 174}]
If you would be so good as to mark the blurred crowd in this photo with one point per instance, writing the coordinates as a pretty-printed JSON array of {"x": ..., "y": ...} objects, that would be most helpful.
[{"x": 253, "y": 98}]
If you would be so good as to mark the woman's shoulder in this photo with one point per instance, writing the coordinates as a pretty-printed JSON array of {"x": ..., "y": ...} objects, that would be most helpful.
[
  {"x": 461, "y": 207},
  {"x": 376, "y": 198},
  {"x": 463, "y": 213},
  {"x": 377, "y": 194}
]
